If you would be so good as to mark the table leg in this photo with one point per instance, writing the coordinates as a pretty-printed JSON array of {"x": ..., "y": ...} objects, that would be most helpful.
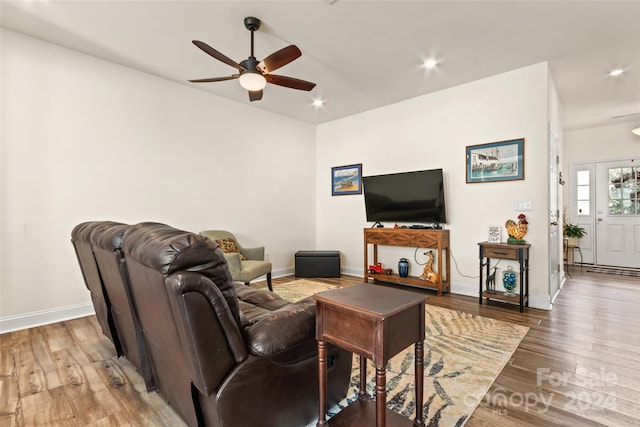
[
  {"x": 362, "y": 394},
  {"x": 522, "y": 283},
  {"x": 322, "y": 382},
  {"x": 526, "y": 277},
  {"x": 419, "y": 371},
  {"x": 381, "y": 396},
  {"x": 481, "y": 284}
]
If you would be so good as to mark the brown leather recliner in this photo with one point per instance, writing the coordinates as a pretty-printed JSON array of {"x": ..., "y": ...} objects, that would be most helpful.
[
  {"x": 224, "y": 355},
  {"x": 81, "y": 240},
  {"x": 106, "y": 241}
]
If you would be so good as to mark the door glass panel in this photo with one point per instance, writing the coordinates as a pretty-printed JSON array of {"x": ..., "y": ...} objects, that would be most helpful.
[
  {"x": 583, "y": 178},
  {"x": 583, "y": 192},
  {"x": 583, "y": 201},
  {"x": 583, "y": 206},
  {"x": 628, "y": 207},
  {"x": 624, "y": 191}
]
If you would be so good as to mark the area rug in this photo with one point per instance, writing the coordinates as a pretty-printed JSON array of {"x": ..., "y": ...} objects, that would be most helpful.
[
  {"x": 633, "y": 272},
  {"x": 463, "y": 355}
]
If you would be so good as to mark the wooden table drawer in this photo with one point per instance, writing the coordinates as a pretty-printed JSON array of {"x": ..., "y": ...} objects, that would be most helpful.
[
  {"x": 504, "y": 253},
  {"x": 425, "y": 240},
  {"x": 392, "y": 237}
]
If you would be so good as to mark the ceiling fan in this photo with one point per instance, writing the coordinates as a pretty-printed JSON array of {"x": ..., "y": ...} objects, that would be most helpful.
[{"x": 254, "y": 75}]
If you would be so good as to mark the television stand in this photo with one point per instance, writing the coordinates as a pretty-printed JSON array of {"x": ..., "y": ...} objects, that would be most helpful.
[{"x": 408, "y": 237}]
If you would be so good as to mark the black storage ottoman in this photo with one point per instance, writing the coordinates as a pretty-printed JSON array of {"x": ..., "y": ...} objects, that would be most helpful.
[{"x": 318, "y": 264}]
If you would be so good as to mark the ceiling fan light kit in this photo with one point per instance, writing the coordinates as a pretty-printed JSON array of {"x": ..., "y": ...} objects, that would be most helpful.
[
  {"x": 254, "y": 75},
  {"x": 252, "y": 81}
]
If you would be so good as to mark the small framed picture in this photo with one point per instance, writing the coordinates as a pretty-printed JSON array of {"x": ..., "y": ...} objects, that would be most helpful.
[
  {"x": 346, "y": 180},
  {"x": 494, "y": 234},
  {"x": 497, "y": 161}
]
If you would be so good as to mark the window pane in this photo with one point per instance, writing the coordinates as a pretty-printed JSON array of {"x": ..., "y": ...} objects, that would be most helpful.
[
  {"x": 583, "y": 177},
  {"x": 615, "y": 175},
  {"x": 583, "y": 192},
  {"x": 614, "y": 192},
  {"x": 615, "y": 207},
  {"x": 583, "y": 207},
  {"x": 628, "y": 207}
]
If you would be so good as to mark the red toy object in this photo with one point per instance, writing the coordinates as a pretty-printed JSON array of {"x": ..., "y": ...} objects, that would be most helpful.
[{"x": 376, "y": 268}]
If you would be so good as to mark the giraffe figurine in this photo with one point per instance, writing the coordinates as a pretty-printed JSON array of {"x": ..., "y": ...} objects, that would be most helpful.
[{"x": 428, "y": 274}]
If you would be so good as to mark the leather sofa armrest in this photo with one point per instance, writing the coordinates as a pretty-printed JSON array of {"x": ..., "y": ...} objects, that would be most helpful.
[
  {"x": 212, "y": 343},
  {"x": 254, "y": 254},
  {"x": 285, "y": 329}
]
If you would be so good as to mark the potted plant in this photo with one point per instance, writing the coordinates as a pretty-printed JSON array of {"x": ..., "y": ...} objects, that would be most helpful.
[{"x": 574, "y": 233}]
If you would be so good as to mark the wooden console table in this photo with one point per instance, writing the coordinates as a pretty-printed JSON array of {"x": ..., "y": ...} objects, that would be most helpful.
[
  {"x": 518, "y": 253},
  {"x": 375, "y": 322},
  {"x": 409, "y": 237}
]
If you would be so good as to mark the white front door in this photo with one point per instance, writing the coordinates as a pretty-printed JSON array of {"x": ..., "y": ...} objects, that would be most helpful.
[{"x": 618, "y": 213}]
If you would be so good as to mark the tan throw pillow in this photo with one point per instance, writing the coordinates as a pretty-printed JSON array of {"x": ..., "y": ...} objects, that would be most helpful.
[{"x": 229, "y": 245}]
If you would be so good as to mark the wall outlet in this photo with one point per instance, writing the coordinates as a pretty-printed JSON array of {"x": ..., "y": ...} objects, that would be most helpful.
[{"x": 523, "y": 205}]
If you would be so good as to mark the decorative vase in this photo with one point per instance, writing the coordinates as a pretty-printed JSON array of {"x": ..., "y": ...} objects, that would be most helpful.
[
  {"x": 403, "y": 267},
  {"x": 509, "y": 282}
]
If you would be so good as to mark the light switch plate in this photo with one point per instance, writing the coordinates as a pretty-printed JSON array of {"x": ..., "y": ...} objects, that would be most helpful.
[{"x": 523, "y": 205}]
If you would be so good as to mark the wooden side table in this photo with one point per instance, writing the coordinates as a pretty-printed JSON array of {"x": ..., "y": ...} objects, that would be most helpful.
[
  {"x": 518, "y": 253},
  {"x": 376, "y": 322}
]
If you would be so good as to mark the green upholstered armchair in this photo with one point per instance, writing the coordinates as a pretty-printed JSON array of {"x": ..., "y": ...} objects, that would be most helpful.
[{"x": 242, "y": 270}]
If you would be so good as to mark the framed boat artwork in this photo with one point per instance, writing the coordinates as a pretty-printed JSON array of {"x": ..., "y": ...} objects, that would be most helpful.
[
  {"x": 496, "y": 161},
  {"x": 346, "y": 180}
]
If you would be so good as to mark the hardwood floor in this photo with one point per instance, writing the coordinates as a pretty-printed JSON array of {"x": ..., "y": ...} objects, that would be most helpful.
[{"x": 579, "y": 365}]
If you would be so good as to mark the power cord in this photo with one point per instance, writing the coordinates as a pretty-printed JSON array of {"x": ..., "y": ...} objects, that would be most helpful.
[{"x": 455, "y": 262}]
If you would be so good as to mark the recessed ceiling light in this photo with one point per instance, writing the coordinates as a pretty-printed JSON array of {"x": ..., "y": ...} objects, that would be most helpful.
[
  {"x": 430, "y": 63},
  {"x": 616, "y": 73},
  {"x": 318, "y": 102}
]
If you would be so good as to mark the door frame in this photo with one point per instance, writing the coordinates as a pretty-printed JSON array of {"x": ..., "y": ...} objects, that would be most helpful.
[{"x": 555, "y": 279}]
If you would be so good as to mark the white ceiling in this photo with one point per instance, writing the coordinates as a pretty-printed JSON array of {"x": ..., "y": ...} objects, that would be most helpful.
[{"x": 362, "y": 54}]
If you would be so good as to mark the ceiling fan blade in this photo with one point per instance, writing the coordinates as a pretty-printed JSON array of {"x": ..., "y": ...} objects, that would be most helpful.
[
  {"x": 220, "y": 57},
  {"x": 280, "y": 58},
  {"x": 290, "y": 82},
  {"x": 255, "y": 95},
  {"x": 215, "y": 79}
]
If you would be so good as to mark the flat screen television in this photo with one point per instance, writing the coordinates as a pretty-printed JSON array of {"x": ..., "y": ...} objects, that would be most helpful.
[{"x": 416, "y": 197}]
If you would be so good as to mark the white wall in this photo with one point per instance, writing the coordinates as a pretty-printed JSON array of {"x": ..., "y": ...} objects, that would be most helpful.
[
  {"x": 84, "y": 139},
  {"x": 602, "y": 143},
  {"x": 432, "y": 131},
  {"x": 598, "y": 144}
]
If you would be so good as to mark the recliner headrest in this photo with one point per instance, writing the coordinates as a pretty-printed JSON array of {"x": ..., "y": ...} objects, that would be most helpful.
[
  {"x": 167, "y": 250},
  {"x": 108, "y": 235}
]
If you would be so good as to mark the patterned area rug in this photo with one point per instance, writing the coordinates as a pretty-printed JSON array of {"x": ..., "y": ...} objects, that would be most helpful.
[
  {"x": 633, "y": 272},
  {"x": 463, "y": 356}
]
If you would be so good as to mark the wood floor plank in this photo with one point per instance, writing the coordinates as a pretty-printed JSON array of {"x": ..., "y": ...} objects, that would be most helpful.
[
  {"x": 34, "y": 365},
  {"x": 128, "y": 389},
  {"x": 58, "y": 336},
  {"x": 88, "y": 336},
  {"x": 114, "y": 420},
  {"x": 9, "y": 396},
  {"x": 50, "y": 407},
  {"x": 88, "y": 395}
]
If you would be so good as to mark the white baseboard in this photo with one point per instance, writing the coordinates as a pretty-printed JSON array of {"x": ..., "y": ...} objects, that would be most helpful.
[
  {"x": 44, "y": 317},
  {"x": 352, "y": 272}
]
